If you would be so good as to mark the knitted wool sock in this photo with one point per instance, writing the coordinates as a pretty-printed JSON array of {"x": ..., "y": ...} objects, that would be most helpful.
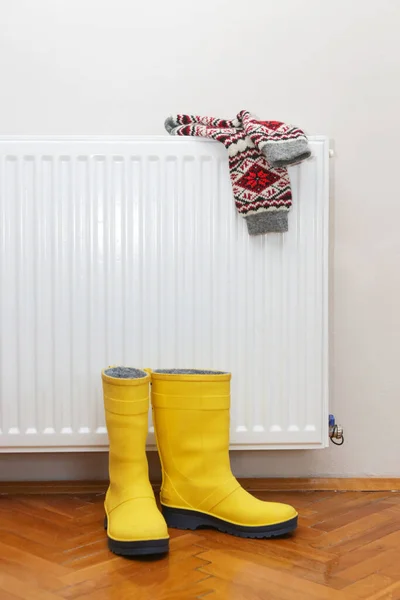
[
  {"x": 262, "y": 194},
  {"x": 281, "y": 144},
  {"x": 176, "y": 120}
]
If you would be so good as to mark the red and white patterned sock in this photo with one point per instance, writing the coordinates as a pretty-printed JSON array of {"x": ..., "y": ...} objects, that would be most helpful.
[
  {"x": 262, "y": 193},
  {"x": 282, "y": 144},
  {"x": 176, "y": 120}
]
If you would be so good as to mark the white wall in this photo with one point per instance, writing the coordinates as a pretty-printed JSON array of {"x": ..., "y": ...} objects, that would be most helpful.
[{"x": 121, "y": 66}]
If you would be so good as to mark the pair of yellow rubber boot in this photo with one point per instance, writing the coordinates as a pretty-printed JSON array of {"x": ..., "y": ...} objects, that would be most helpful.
[{"x": 191, "y": 421}]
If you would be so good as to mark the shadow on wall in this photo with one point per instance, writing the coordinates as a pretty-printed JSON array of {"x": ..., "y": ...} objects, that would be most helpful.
[{"x": 93, "y": 466}]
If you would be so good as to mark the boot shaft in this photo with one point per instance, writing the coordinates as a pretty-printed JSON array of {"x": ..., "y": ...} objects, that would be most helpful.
[
  {"x": 126, "y": 405},
  {"x": 191, "y": 420}
]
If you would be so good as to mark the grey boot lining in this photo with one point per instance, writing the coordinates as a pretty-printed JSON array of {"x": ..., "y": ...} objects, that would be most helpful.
[
  {"x": 188, "y": 372},
  {"x": 125, "y": 373}
]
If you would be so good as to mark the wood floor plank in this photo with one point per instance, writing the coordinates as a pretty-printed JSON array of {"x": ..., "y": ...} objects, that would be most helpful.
[
  {"x": 298, "y": 566},
  {"x": 372, "y": 565},
  {"x": 388, "y": 526},
  {"x": 357, "y": 528},
  {"x": 372, "y": 584},
  {"x": 295, "y": 554},
  {"x": 7, "y": 596},
  {"x": 364, "y": 553},
  {"x": 27, "y": 560},
  {"x": 231, "y": 567},
  {"x": 392, "y": 592},
  {"x": 347, "y": 547},
  {"x": 392, "y": 569},
  {"x": 24, "y": 591},
  {"x": 227, "y": 590},
  {"x": 350, "y": 515}
]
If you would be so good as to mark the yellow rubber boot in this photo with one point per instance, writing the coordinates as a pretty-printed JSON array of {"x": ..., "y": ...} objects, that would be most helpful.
[
  {"x": 191, "y": 419},
  {"x": 134, "y": 524}
]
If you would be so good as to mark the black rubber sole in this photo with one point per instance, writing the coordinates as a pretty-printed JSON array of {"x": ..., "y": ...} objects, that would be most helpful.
[
  {"x": 140, "y": 548},
  {"x": 180, "y": 518}
]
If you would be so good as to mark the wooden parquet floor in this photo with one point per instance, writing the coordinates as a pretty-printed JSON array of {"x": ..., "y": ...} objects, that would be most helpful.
[{"x": 347, "y": 547}]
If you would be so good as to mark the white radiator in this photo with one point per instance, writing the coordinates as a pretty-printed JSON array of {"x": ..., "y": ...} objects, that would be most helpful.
[{"x": 130, "y": 251}]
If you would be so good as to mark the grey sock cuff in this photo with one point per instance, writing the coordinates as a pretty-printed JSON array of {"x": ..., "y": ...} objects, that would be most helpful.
[
  {"x": 267, "y": 222},
  {"x": 125, "y": 373},
  {"x": 171, "y": 125},
  {"x": 283, "y": 154}
]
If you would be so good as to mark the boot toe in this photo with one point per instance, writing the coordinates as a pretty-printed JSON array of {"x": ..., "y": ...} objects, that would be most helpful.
[
  {"x": 244, "y": 509},
  {"x": 283, "y": 512},
  {"x": 137, "y": 520}
]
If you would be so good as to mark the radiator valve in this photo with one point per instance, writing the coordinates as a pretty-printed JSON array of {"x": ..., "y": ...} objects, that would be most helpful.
[{"x": 335, "y": 432}]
